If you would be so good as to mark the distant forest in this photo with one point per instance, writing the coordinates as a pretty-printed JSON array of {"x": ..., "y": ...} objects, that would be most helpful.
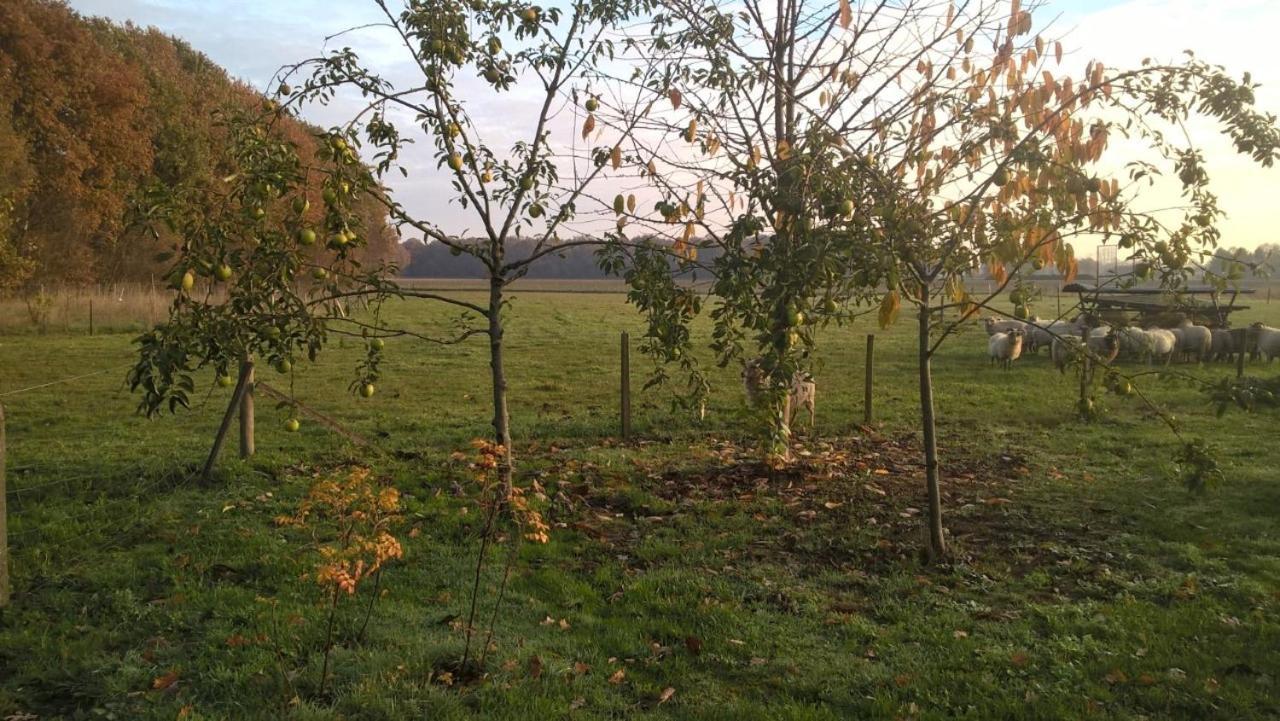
[{"x": 91, "y": 115}]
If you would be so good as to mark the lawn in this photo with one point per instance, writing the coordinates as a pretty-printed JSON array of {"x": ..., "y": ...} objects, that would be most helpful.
[{"x": 682, "y": 580}]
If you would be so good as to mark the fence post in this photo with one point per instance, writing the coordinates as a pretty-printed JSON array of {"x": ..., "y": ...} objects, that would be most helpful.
[
  {"x": 246, "y": 411},
  {"x": 4, "y": 523},
  {"x": 870, "y": 382},
  {"x": 626, "y": 386},
  {"x": 90, "y": 315}
]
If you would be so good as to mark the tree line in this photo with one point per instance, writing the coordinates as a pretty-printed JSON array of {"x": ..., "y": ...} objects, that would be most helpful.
[{"x": 95, "y": 115}]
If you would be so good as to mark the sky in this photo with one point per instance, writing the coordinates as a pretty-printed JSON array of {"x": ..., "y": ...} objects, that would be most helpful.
[{"x": 252, "y": 39}]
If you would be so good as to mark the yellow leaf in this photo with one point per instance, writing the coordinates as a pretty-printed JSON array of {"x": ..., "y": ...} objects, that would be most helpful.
[
  {"x": 631, "y": 203},
  {"x": 846, "y": 14},
  {"x": 163, "y": 682},
  {"x": 588, "y": 125},
  {"x": 618, "y": 676},
  {"x": 1057, "y": 52},
  {"x": 615, "y": 157},
  {"x": 889, "y": 308}
]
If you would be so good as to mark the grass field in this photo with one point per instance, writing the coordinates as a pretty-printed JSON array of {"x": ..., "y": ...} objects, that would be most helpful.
[{"x": 1088, "y": 583}]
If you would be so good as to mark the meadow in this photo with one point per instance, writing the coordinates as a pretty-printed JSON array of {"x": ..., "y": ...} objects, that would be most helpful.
[{"x": 682, "y": 580}]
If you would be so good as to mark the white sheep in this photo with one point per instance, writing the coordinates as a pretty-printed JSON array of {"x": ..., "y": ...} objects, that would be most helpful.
[
  {"x": 1005, "y": 348},
  {"x": 1266, "y": 341},
  {"x": 802, "y": 393},
  {"x": 1193, "y": 339},
  {"x": 1161, "y": 343},
  {"x": 1002, "y": 325},
  {"x": 1224, "y": 345},
  {"x": 1134, "y": 342},
  {"x": 1042, "y": 334},
  {"x": 1104, "y": 346}
]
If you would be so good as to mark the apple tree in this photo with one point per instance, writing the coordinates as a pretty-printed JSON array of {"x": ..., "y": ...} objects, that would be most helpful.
[
  {"x": 942, "y": 138},
  {"x": 463, "y": 54}
]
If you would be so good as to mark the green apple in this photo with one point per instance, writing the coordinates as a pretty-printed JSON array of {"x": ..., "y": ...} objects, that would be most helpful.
[
  {"x": 284, "y": 89},
  {"x": 224, "y": 381},
  {"x": 319, "y": 274},
  {"x": 329, "y": 196},
  {"x": 367, "y": 390},
  {"x": 306, "y": 236},
  {"x": 284, "y": 365},
  {"x": 455, "y": 161},
  {"x": 301, "y": 205},
  {"x": 222, "y": 272},
  {"x": 526, "y": 183},
  {"x": 188, "y": 281},
  {"x": 377, "y": 344},
  {"x": 535, "y": 211},
  {"x": 292, "y": 425},
  {"x": 591, "y": 105},
  {"x": 530, "y": 14}
]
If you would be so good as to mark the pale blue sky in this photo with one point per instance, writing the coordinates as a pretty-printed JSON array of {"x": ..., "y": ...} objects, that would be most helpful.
[{"x": 252, "y": 38}]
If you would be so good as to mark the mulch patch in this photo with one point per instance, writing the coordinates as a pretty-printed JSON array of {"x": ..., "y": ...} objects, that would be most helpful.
[{"x": 855, "y": 503}]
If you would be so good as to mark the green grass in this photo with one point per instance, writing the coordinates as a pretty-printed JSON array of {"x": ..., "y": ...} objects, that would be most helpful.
[{"x": 1101, "y": 588}]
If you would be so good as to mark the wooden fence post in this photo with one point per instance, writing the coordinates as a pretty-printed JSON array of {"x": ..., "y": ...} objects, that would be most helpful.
[
  {"x": 867, "y": 415},
  {"x": 246, "y": 411},
  {"x": 90, "y": 315},
  {"x": 626, "y": 386},
  {"x": 4, "y": 523}
]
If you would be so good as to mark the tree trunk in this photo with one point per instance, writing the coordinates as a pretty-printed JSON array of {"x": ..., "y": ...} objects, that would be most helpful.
[
  {"x": 937, "y": 544},
  {"x": 501, "y": 416}
]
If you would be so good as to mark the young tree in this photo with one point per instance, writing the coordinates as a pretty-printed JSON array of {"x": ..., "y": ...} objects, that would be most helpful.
[
  {"x": 955, "y": 137},
  {"x": 462, "y": 52}
]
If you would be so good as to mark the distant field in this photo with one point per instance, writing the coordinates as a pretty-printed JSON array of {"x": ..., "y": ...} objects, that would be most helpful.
[{"x": 1089, "y": 584}]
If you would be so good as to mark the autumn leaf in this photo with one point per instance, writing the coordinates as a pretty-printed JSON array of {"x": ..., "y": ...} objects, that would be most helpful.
[
  {"x": 675, "y": 97},
  {"x": 588, "y": 125},
  {"x": 163, "y": 682},
  {"x": 615, "y": 157},
  {"x": 535, "y": 666},
  {"x": 618, "y": 676},
  {"x": 694, "y": 644},
  {"x": 889, "y": 308},
  {"x": 846, "y": 14},
  {"x": 666, "y": 695}
]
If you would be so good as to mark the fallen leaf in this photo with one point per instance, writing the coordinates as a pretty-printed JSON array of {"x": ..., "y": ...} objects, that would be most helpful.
[
  {"x": 1019, "y": 658},
  {"x": 1116, "y": 676},
  {"x": 580, "y": 668},
  {"x": 666, "y": 695},
  {"x": 535, "y": 666},
  {"x": 618, "y": 676},
  {"x": 577, "y": 703},
  {"x": 163, "y": 682},
  {"x": 694, "y": 644},
  {"x": 960, "y": 634}
]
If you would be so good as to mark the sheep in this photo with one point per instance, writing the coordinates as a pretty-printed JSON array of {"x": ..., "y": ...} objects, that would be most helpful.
[
  {"x": 1193, "y": 339},
  {"x": 1041, "y": 334},
  {"x": 1002, "y": 325},
  {"x": 1134, "y": 342},
  {"x": 1104, "y": 346},
  {"x": 802, "y": 392},
  {"x": 1161, "y": 343},
  {"x": 1223, "y": 346},
  {"x": 1005, "y": 348},
  {"x": 1266, "y": 341}
]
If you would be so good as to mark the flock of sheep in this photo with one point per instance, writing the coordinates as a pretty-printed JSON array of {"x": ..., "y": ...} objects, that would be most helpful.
[{"x": 1008, "y": 339}]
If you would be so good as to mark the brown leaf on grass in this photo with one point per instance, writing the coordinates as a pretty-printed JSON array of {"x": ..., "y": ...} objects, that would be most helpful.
[
  {"x": 581, "y": 668},
  {"x": 535, "y": 666},
  {"x": 160, "y": 683},
  {"x": 235, "y": 640},
  {"x": 997, "y": 501},
  {"x": 618, "y": 676},
  {"x": 694, "y": 644},
  {"x": 1146, "y": 679},
  {"x": 666, "y": 695},
  {"x": 960, "y": 634},
  {"x": 902, "y": 680},
  {"x": 510, "y": 665},
  {"x": 1019, "y": 658},
  {"x": 1115, "y": 676},
  {"x": 577, "y": 703}
]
